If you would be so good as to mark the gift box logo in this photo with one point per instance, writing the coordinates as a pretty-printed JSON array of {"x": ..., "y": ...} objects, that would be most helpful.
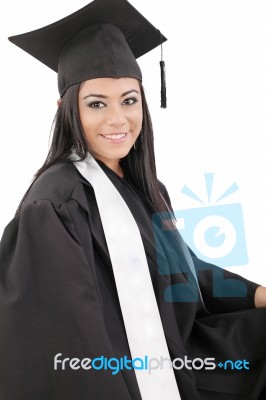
[{"x": 215, "y": 233}]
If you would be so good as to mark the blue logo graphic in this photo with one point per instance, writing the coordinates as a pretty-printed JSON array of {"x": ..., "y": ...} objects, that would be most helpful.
[{"x": 215, "y": 232}]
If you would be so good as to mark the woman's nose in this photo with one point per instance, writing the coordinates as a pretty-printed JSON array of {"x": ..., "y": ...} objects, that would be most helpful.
[{"x": 116, "y": 116}]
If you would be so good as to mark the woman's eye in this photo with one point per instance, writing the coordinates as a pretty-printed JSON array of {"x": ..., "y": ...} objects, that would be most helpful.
[
  {"x": 129, "y": 101},
  {"x": 96, "y": 104}
]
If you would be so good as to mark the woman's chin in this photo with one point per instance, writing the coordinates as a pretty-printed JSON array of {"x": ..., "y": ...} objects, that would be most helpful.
[{"x": 120, "y": 153}]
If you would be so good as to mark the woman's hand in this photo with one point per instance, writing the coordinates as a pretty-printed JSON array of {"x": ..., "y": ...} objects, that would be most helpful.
[{"x": 260, "y": 297}]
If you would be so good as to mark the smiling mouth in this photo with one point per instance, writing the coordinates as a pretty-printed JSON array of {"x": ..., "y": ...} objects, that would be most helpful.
[{"x": 115, "y": 137}]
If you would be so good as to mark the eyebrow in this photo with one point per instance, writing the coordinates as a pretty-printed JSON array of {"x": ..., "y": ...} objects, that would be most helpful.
[{"x": 102, "y": 96}]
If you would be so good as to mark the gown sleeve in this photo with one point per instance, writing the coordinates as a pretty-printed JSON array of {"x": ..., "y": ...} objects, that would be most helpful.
[
  {"x": 222, "y": 290},
  {"x": 49, "y": 305},
  {"x": 36, "y": 252}
]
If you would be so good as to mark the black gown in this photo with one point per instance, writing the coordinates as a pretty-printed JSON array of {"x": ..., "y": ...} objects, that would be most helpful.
[{"x": 58, "y": 295}]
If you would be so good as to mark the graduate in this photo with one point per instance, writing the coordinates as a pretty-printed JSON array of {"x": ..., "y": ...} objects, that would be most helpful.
[{"x": 100, "y": 298}]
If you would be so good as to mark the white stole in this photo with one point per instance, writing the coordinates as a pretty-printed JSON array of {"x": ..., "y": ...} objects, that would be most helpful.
[{"x": 133, "y": 281}]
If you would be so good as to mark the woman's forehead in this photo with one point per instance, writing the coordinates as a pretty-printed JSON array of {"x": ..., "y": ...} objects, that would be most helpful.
[{"x": 108, "y": 86}]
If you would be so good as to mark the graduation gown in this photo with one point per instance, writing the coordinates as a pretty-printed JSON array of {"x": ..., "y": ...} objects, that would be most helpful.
[{"x": 58, "y": 295}]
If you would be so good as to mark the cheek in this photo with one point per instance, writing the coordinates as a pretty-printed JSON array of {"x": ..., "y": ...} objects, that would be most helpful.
[
  {"x": 89, "y": 123},
  {"x": 137, "y": 118},
  {"x": 140, "y": 121}
]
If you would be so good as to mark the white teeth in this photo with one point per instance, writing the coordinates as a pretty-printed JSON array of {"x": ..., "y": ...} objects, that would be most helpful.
[{"x": 118, "y": 136}]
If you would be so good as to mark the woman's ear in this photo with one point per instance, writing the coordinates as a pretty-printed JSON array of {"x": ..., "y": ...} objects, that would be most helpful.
[{"x": 59, "y": 101}]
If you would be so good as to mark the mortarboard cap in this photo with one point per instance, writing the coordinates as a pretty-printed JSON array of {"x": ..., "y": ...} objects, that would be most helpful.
[{"x": 102, "y": 39}]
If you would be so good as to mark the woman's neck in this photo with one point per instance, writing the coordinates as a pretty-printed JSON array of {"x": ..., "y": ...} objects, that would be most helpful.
[{"x": 114, "y": 166}]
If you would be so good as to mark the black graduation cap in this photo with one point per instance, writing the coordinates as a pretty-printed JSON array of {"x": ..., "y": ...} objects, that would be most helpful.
[{"x": 102, "y": 39}]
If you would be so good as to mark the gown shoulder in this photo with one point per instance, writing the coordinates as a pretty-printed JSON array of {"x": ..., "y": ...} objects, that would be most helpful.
[{"x": 56, "y": 184}]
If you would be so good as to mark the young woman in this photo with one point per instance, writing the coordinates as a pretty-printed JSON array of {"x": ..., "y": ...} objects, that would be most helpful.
[{"x": 98, "y": 292}]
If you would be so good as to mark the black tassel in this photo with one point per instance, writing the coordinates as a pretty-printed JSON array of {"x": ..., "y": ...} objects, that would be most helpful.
[
  {"x": 163, "y": 85},
  {"x": 163, "y": 80}
]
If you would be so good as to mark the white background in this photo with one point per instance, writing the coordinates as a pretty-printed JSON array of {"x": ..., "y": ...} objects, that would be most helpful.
[{"x": 216, "y": 116}]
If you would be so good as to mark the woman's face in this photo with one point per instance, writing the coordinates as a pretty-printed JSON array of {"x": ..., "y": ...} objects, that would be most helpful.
[{"x": 111, "y": 116}]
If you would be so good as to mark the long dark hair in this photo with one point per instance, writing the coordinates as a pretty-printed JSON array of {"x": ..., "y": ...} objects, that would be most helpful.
[{"x": 139, "y": 164}]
